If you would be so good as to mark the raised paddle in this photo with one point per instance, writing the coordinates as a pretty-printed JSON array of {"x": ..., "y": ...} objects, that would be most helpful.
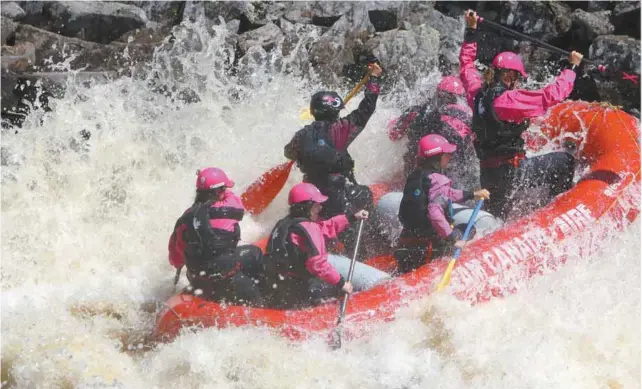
[
  {"x": 446, "y": 279},
  {"x": 632, "y": 77},
  {"x": 337, "y": 333},
  {"x": 261, "y": 192}
]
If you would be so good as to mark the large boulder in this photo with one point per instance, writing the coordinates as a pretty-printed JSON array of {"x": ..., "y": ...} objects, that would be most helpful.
[
  {"x": 267, "y": 37},
  {"x": 332, "y": 51},
  {"x": 626, "y": 18},
  {"x": 11, "y": 10},
  {"x": 8, "y": 29},
  {"x": 592, "y": 24},
  {"x": 542, "y": 19},
  {"x": 451, "y": 37},
  {"x": 616, "y": 51},
  {"x": 619, "y": 54},
  {"x": 407, "y": 54},
  {"x": 52, "y": 49},
  {"x": 297, "y": 45},
  {"x": 19, "y": 58},
  {"x": 100, "y": 22}
]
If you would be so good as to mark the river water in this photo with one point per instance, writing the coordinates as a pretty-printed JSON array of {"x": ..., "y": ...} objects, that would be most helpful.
[{"x": 84, "y": 257}]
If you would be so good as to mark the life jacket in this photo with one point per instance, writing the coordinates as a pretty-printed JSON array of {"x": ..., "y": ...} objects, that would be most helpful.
[
  {"x": 495, "y": 137},
  {"x": 318, "y": 157},
  {"x": 204, "y": 243},
  {"x": 413, "y": 210},
  {"x": 283, "y": 257}
]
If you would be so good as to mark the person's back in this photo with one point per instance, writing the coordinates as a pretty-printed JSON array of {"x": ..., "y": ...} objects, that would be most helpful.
[
  {"x": 205, "y": 240},
  {"x": 298, "y": 269},
  {"x": 321, "y": 152}
]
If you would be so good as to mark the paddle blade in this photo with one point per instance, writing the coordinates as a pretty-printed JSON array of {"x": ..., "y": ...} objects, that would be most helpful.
[
  {"x": 306, "y": 114},
  {"x": 446, "y": 279},
  {"x": 260, "y": 194}
]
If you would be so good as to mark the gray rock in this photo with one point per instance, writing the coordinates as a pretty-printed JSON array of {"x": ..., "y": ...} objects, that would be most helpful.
[
  {"x": 265, "y": 12},
  {"x": 33, "y": 7},
  {"x": 594, "y": 6},
  {"x": 542, "y": 19},
  {"x": 159, "y": 11},
  {"x": 332, "y": 51},
  {"x": 415, "y": 12},
  {"x": 19, "y": 58},
  {"x": 8, "y": 83},
  {"x": 252, "y": 66},
  {"x": 213, "y": 10},
  {"x": 233, "y": 26},
  {"x": 406, "y": 55},
  {"x": 267, "y": 37},
  {"x": 297, "y": 45},
  {"x": 451, "y": 37},
  {"x": 8, "y": 29},
  {"x": 52, "y": 49},
  {"x": 593, "y": 24},
  {"x": 100, "y": 22},
  {"x": 617, "y": 51},
  {"x": 624, "y": 7},
  {"x": 12, "y": 11}
]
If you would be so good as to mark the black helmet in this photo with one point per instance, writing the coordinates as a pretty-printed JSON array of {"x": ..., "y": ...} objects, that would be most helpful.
[{"x": 326, "y": 105}]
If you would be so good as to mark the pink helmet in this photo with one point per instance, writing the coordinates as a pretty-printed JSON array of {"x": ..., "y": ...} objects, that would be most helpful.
[
  {"x": 451, "y": 84},
  {"x": 212, "y": 178},
  {"x": 511, "y": 61},
  {"x": 434, "y": 144},
  {"x": 305, "y": 192}
]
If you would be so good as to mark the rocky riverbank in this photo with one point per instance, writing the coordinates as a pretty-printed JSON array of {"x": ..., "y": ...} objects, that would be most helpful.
[{"x": 327, "y": 41}]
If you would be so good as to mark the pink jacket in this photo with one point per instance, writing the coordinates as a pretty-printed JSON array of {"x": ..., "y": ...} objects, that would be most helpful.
[
  {"x": 438, "y": 195},
  {"x": 318, "y": 265},
  {"x": 518, "y": 104},
  {"x": 176, "y": 246}
]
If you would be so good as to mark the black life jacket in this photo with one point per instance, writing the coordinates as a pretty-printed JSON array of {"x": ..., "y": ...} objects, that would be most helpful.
[
  {"x": 204, "y": 243},
  {"x": 413, "y": 210},
  {"x": 317, "y": 156},
  {"x": 284, "y": 258},
  {"x": 495, "y": 137}
]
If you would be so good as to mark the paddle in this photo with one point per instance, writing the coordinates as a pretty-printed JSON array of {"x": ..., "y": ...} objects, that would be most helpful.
[
  {"x": 261, "y": 192},
  {"x": 446, "y": 279},
  {"x": 632, "y": 77},
  {"x": 337, "y": 333}
]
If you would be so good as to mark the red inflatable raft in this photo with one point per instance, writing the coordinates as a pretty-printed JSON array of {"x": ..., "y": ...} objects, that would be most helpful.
[{"x": 605, "y": 200}]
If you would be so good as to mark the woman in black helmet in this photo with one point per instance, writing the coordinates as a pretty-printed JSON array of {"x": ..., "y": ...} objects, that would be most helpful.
[{"x": 321, "y": 149}]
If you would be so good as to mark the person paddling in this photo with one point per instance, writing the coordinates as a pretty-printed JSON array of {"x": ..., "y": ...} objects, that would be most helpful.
[
  {"x": 501, "y": 113},
  {"x": 321, "y": 151},
  {"x": 427, "y": 233},
  {"x": 298, "y": 269}
]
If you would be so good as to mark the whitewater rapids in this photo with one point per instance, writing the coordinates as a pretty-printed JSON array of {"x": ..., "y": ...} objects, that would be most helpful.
[{"x": 85, "y": 227}]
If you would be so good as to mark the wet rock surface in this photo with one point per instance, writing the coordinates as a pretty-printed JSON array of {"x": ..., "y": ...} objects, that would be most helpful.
[{"x": 330, "y": 41}]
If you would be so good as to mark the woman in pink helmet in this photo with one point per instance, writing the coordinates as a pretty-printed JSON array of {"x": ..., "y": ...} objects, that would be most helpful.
[
  {"x": 449, "y": 116},
  {"x": 297, "y": 266},
  {"x": 205, "y": 239},
  {"x": 427, "y": 233},
  {"x": 501, "y": 113}
]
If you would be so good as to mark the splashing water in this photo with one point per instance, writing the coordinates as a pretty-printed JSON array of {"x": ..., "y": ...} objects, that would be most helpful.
[{"x": 85, "y": 227}]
